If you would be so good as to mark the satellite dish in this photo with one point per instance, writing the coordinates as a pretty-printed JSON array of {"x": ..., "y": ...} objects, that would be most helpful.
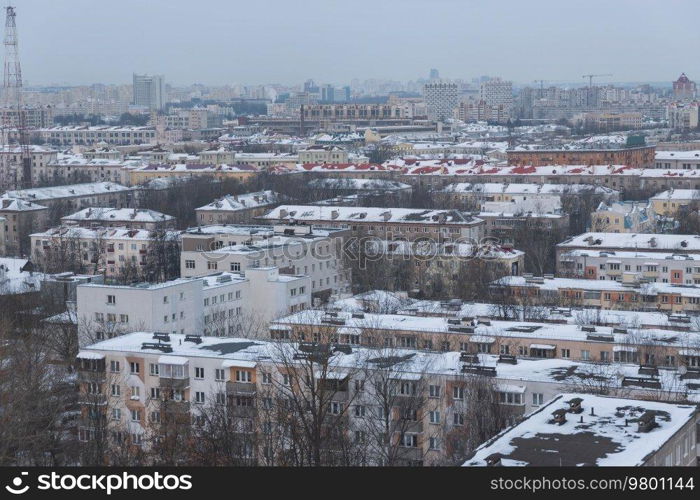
[{"x": 682, "y": 370}]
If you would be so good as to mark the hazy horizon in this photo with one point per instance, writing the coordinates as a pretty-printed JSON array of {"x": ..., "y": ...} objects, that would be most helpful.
[{"x": 217, "y": 42}]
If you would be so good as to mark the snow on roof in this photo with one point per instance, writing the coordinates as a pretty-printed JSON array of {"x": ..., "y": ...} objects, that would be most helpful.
[
  {"x": 232, "y": 203},
  {"x": 17, "y": 205},
  {"x": 117, "y": 215},
  {"x": 68, "y": 191},
  {"x": 678, "y": 194},
  {"x": 370, "y": 214},
  {"x": 109, "y": 233},
  {"x": 196, "y": 168},
  {"x": 525, "y": 188},
  {"x": 537, "y": 331},
  {"x": 678, "y": 155},
  {"x": 609, "y": 437},
  {"x": 635, "y": 241},
  {"x": 14, "y": 279}
]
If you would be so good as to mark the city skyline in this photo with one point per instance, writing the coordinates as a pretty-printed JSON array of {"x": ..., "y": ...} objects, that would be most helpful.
[{"x": 111, "y": 43}]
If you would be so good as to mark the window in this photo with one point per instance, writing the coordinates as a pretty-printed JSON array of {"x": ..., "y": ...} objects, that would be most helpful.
[
  {"x": 335, "y": 408},
  {"x": 111, "y": 300},
  {"x": 434, "y": 443},
  {"x": 212, "y": 265},
  {"x": 235, "y": 266},
  {"x": 134, "y": 367},
  {"x": 458, "y": 393},
  {"x": 585, "y": 355},
  {"x": 155, "y": 392},
  {"x": 266, "y": 378},
  {"x": 114, "y": 366},
  {"x": 511, "y": 398},
  {"x": 244, "y": 376},
  {"x": 198, "y": 372},
  {"x": 360, "y": 411},
  {"x": 537, "y": 398},
  {"x": 565, "y": 353},
  {"x": 409, "y": 440},
  {"x": 116, "y": 414},
  {"x": 153, "y": 369},
  {"x": 434, "y": 391},
  {"x": 219, "y": 374},
  {"x": 189, "y": 264},
  {"x": 154, "y": 417},
  {"x": 199, "y": 397},
  {"x": 135, "y": 415},
  {"x": 458, "y": 418},
  {"x": 434, "y": 417},
  {"x": 286, "y": 379},
  {"x": 123, "y": 318},
  {"x": 116, "y": 390},
  {"x": 135, "y": 392}
]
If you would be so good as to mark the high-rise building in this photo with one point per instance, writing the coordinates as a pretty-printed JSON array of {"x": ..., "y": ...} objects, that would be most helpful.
[
  {"x": 441, "y": 99},
  {"x": 327, "y": 93},
  {"x": 497, "y": 95},
  {"x": 149, "y": 91},
  {"x": 684, "y": 88},
  {"x": 434, "y": 74}
]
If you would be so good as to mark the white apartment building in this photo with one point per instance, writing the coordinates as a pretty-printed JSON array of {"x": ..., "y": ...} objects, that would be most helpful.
[
  {"x": 222, "y": 304},
  {"x": 631, "y": 267},
  {"x": 497, "y": 92},
  {"x": 441, "y": 98},
  {"x": 236, "y": 208},
  {"x": 82, "y": 135},
  {"x": 149, "y": 91},
  {"x": 686, "y": 160},
  {"x": 294, "y": 250}
]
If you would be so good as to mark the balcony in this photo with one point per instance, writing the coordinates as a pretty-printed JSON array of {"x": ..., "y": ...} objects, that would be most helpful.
[
  {"x": 240, "y": 388},
  {"x": 177, "y": 384}
]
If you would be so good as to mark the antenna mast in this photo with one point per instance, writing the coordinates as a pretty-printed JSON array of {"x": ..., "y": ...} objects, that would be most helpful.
[{"x": 14, "y": 114}]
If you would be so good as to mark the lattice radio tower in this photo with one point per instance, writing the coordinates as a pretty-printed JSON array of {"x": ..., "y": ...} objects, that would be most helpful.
[{"x": 14, "y": 113}]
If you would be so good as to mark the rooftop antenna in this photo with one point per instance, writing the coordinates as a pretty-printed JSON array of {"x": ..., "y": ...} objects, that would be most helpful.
[{"x": 12, "y": 87}]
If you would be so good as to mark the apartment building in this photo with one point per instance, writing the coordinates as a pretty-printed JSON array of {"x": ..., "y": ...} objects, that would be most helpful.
[
  {"x": 683, "y": 115},
  {"x": 108, "y": 250},
  {"x": 11, "y": 170},
  {"x": 441, "y": 98},
  {"x": 505, "y": 226},
  {"x": 673, "y": 202},
  {"x": 686, "y": 160},
  {"x": 136, "y": 377},
  {"x": 130, "y": 218},
  {"x": 605, "y": 121},
  {"x": 221, "y": 304},
  {"x": 472, "y": 195},
  {"x": 241, "y": 172},
  {"x": 295, "y": 250},
  {"x": 76, "y": 167},
  {"x": 374, "y": 191},
  {"x": 631, "y": 267},
  {"x": 686, "y": 244},
  {"x": 87, "y": 135},
  {"x": 19, "y": 219},
  {"x": 624, "y": 217},
  {"x": 353, "y": 112},
  {"x": 551, "y": 436},
  {"x": 601, "y": 294},
  {"x": 323, "y": 154},
  {"x": 237, "y": 208},
  {"x": 639, "y": 157},
  {"x": 472, "y": 334},
  {"x": 74, "y": 197},
  {"x": 385, "y": 223}
]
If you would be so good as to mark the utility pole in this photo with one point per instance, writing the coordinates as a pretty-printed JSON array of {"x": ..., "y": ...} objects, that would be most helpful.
[{"x": 12, "y": 87}]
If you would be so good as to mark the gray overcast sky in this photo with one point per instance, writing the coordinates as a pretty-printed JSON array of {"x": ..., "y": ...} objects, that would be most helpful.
[{"x": 288, "y": 41}]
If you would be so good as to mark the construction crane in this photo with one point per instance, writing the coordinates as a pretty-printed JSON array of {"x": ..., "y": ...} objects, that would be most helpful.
[
  {"x": 12, "y": 89},
  {"x": 591, "y": 77},
  {"x": 590, "y": 84}
]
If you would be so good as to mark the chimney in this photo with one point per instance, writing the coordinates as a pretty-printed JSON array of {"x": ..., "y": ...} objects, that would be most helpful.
[
  {"x": 283, "y": 213},
  {"x": 335, "y": 214}
]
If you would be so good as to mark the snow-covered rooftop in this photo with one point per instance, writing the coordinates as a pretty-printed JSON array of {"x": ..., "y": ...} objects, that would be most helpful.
[
  {"x": 608, "y": 437},
  {"x": 232, "y": 203},
  {"x": 99, "y": 214},
  {"x": 365, "y": 214}
]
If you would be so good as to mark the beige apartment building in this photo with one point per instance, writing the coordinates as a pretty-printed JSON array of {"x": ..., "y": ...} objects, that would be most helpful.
[{"x": 140, "y": 380}]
